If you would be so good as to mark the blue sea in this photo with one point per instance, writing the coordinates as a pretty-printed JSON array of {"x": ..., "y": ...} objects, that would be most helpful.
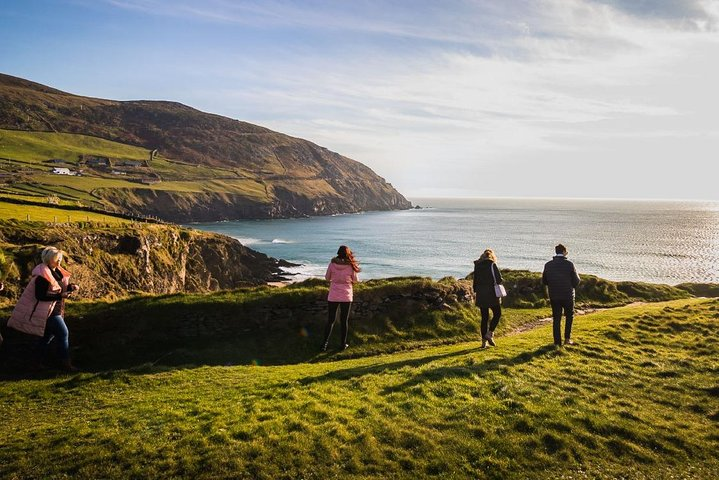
[{"x": 653, "y": 241}]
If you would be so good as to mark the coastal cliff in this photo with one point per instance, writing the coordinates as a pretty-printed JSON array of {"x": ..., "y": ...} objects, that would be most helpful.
[
  {"x": 173, "y": 161},
  {"x": 113, "y": 261}
]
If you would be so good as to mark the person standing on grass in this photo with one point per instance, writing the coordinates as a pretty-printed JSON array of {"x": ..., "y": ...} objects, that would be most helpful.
[
  {"x": 486, "y": 276},
  {"x": 41, "y": 308},
  {"x": 561, "y": 278},
  {"x": 341, "y": 273}
]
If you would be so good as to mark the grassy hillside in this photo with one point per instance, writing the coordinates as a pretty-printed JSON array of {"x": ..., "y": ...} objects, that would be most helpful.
[
  {"x": 36, "y": 147},
  {"x": 25, "y": 160},
  {"x": 270, "y": 174},
  {"x": 266, "y": 325},
  {"x": 37, "y": 213},
  {"x": 525, "y": 290},
  {"x": 270, "y": 326},
  {"x": 637, "y": 397}
]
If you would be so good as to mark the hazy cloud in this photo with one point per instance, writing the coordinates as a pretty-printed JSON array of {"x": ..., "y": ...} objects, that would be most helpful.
[
  {"x": 699, "y": 14},
  {"x": 434, "y": 95}
]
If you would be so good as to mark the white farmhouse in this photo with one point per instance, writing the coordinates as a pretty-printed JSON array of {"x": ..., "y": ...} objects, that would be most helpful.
[{"x": 62, "y": 171}]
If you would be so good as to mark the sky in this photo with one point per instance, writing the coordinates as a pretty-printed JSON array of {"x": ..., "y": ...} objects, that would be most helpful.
[{"x": 451, "y": 98}]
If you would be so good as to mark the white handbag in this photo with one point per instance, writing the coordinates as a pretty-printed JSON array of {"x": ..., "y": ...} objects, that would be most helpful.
[{"x": 499, "y": 290}]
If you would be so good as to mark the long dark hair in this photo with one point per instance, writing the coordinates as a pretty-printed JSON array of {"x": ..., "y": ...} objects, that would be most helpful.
[{"x": 344, "y": 253}]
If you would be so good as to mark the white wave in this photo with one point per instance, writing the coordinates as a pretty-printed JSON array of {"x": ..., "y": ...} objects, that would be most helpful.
[
  {"x": 305, "y": 271},
  {"x": 279, "y": 240},
  {"x": 248, "y": 240}
]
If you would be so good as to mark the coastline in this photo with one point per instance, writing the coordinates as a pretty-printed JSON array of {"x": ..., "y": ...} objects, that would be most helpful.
[{"x": 619, "y": 241}]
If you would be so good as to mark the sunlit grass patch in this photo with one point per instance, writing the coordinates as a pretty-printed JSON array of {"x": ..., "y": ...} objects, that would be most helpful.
[{"x": 36, "y": 213}]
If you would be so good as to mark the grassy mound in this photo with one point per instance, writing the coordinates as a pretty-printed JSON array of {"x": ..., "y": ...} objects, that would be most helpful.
[
  {"x": 701, "y": 289},
  {"x": 525, "y": 289},
  {"x": 270, "y": 326},
  {"x": 637, "y": 397},
  {"x": 267, "y": 325}
]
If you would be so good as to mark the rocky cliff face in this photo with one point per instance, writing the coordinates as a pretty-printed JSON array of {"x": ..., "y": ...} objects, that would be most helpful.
[
  {"x": 298, "y": 177},
  {"x": 186, "y": 207},
  {"x": 114, "y": 261}
]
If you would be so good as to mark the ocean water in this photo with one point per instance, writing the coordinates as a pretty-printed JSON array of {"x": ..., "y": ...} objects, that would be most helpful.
[{"x": 652, "y": 241}]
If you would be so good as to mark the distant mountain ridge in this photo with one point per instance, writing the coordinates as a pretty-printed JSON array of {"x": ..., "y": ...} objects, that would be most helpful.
[{"x": 298, "y": 177}]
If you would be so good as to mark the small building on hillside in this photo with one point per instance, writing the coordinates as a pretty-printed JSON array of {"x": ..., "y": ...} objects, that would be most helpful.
[
  {"x": 62, "y": 171},
  {"x": 95, "y": 161},
  {"x": 129, "y": 163}
]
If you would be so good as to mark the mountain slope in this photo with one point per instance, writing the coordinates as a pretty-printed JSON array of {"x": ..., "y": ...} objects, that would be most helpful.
[{"x": 299, "y": 177}]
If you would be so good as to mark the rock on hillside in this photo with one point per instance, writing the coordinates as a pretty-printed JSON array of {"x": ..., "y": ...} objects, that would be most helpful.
[
  {"x": 299, "y": 177},
  {"x": 113, "y": 261}
]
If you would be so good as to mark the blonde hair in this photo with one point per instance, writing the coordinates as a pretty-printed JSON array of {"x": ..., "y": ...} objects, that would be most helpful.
[
  {"x": 488, "y": 254},
  {"x": 51, "y": 253}
]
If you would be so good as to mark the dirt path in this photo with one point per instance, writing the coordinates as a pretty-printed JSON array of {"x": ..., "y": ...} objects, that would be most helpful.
[{"x": 543, "y": 321}]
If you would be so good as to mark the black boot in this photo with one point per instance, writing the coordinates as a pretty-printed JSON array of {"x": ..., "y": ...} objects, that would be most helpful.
[{"x": 68, "y": 367}]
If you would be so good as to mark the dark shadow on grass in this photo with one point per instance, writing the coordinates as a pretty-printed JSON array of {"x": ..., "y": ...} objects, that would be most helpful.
[
  {"x": 431, "y": 375},
  {"x": 348, "y": 373},
  {"x": 464, "y": 371}
]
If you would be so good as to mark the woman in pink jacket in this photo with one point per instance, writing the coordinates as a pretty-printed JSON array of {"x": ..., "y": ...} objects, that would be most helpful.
[
  {"x": 40, "y": 310},
  {"x": 341, "y": 273}
]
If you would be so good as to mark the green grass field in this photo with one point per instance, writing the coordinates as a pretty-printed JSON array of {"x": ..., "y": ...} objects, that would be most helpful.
[
  {"x": 30, "y": 150},
  {"x": 36, "y": 147},
  {"x": 637, "y": 397},
  {"x": 36, "y": 213}
]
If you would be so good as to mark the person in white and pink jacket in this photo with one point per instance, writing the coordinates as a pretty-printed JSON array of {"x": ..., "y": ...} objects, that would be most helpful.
[
  {"x": 40, "y": 310},
  {"x": 341, "y": 273}
]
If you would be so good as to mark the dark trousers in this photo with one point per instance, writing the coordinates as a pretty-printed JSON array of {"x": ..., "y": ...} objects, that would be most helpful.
[
  {"x": 496, "y": 315},
  {"x": 566, "y": 305},
  {"x": 344, "y": 308}
]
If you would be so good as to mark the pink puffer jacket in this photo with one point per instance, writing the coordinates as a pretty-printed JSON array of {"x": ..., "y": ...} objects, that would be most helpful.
[
  {"x": 341, "y": 277},
  {"x": 30, "y": 314}
]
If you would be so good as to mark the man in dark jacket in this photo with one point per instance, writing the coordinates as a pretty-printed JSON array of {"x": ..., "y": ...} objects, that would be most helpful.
[{"x": 561, "y": 278}]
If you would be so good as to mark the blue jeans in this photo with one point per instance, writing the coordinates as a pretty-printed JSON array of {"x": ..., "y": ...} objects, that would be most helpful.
[{"x": 57, "y": 330}]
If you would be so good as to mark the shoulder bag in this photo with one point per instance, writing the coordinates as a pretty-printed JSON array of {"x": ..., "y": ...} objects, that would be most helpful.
[{"x": 499, "y": 290}]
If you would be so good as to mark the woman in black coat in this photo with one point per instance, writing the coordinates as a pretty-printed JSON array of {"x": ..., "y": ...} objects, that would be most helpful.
[{"x": 486, "y": 275}]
